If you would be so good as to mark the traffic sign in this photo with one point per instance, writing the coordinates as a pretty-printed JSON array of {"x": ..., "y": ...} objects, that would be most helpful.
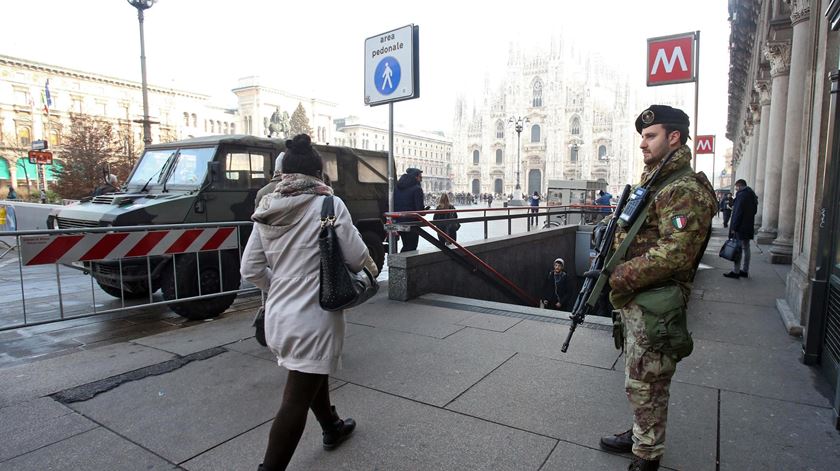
[
  {"x": 392, "y": 71},
  {"x": 670, "y": 59},
  {"x": 40, "y": 145},
  {"x": 704, "y": 145},
  {"x": 40, "y": 157}
]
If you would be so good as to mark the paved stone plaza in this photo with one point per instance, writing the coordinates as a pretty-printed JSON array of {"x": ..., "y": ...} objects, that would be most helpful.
[{"x": 435, "y": 383}]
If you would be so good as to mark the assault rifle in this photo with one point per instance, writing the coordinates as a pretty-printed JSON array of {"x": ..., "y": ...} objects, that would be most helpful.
[{"x": 594, "y": 294}]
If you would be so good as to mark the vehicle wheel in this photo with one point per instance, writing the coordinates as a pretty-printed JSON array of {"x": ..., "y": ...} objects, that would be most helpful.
[
  {"x": 138, "y": 292},
  {"x": 186, "y": 269},
  {"x": 375, "y": 248}
]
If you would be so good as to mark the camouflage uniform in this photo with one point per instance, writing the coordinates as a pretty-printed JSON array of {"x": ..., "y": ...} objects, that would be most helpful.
[{"x": 665, "y": 250}]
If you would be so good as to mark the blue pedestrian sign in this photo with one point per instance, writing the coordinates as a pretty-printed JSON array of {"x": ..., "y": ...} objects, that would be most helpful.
[
  {"x": 392, "y": 66},
  {"x": 387, "y": 75}
]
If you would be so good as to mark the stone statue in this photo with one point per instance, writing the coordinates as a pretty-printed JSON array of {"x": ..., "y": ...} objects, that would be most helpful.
[{"x": 278, "y": 125}]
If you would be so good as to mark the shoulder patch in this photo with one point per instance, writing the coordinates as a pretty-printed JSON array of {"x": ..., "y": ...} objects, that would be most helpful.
[{"x": 679, "y": 222}]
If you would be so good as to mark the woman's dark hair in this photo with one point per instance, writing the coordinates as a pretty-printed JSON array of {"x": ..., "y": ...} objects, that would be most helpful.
[{"x": 301, "y": 157}]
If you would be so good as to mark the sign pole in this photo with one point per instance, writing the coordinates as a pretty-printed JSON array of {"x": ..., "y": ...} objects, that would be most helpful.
[
  {"x": 392, "y": 241},
  {"x": 697, "y": 91}
]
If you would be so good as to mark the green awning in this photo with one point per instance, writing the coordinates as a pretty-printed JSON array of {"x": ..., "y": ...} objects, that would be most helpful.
[{"x": 24, "y": 168}]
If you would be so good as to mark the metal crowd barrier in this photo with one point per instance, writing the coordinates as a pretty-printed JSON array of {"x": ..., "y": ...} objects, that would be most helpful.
[{"x": 52, "y": 266}]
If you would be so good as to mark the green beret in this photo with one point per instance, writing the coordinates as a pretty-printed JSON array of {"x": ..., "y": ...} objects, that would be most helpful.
[{"x": 662, "y": 114}]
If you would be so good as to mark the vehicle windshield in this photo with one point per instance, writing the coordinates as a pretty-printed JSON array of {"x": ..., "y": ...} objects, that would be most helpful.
[
  {"x": 149, "y": 167},
  {"x": 191, "y": 167}
]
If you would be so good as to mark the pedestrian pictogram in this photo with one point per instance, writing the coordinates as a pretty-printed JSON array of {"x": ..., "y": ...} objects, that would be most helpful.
[
  {"x": 671, "y": 59},
  {"x": 705, "y": 145},
  {"x": 387, "y": 75},
  {"x": 392, "y": 66}
]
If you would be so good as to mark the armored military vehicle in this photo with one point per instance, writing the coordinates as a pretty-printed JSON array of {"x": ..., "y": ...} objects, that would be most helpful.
[{"x": 214, "y": 179}]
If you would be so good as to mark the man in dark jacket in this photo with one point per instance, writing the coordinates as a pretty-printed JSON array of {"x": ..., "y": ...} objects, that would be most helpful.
[
  {"x": 408, "y": 196},
  {"x": 726, "y": 208},
  {"x": 556, "y": 289},
  {"x": 742, "y": 227}
]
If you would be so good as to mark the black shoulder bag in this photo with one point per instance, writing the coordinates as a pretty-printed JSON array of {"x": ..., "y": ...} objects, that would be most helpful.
[{"x": 340, "y": 288}]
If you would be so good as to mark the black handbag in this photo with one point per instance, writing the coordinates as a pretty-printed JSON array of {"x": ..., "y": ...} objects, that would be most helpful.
[
  {"x": 340, "y": 288},
  {"x": 259, "y": 326},
  {"x": 731, "y": 250}
]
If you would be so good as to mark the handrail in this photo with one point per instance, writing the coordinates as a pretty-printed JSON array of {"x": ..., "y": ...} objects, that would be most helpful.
[{"x": 470, "y": 256}]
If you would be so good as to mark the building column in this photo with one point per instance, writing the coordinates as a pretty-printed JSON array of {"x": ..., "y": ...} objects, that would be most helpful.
[
  {"x": 778, "y": 53},
  {"x": 763, "y": 89},
  {"x": 755, "y": 110},
  {"x": 782, "y": 250}
]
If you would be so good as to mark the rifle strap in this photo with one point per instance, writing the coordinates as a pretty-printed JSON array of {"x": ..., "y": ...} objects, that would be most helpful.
[{"x": 618, "y": 256}]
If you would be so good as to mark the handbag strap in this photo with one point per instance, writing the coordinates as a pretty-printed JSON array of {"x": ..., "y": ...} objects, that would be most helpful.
[{"x": 327, "y": 212}]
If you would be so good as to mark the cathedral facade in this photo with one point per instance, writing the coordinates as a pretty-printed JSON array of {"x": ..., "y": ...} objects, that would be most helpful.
[{"x": 576, "y": 120}]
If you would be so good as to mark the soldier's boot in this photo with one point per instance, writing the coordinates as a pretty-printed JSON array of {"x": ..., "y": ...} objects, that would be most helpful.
[
  {"x": 640, "y": 464},
  {"x": 336, "y": 430},
  {"x": 619, "y": 443}
]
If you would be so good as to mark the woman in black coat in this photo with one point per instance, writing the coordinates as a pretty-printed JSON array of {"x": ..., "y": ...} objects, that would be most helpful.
[{"x": 450, "y": 227}]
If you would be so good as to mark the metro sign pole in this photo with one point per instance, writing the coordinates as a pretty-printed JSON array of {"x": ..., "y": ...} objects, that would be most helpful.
[{"x": 676, "y": 59}]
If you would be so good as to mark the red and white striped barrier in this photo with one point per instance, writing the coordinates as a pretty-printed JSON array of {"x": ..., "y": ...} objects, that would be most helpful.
[{"x": 47, "y": 249}]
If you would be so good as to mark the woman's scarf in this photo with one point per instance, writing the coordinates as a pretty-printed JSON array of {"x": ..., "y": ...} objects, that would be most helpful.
[{"x": 294, "y": 184}]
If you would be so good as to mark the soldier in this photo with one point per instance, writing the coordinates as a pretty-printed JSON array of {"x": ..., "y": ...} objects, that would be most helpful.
[{"x": 651, "y": 286}]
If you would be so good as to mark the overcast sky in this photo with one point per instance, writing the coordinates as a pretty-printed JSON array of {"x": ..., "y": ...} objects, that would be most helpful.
[{"x": 315, "y": 48}]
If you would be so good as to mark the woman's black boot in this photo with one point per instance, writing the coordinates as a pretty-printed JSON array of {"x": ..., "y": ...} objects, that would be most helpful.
[{"x": 336, "y": 430}]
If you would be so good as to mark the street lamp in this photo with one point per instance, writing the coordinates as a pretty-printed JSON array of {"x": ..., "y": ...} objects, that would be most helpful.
[
  {"x": 142, "y": 5},
  {"x": 518, "y": 124}
]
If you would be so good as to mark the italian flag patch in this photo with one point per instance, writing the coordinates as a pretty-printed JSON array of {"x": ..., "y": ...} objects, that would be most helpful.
[{"x": 679, "y": 222}]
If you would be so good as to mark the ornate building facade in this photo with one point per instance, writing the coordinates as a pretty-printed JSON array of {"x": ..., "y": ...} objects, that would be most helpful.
[
  {"x": 176, "y": 114},
  {"x": 430, "y": 152},
  {"x": 783, "y": 115},
  {"x": 579, "y": 113}
]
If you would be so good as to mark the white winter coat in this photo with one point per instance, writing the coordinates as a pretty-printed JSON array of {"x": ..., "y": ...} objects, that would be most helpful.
[{"x": 282, "y": 258}]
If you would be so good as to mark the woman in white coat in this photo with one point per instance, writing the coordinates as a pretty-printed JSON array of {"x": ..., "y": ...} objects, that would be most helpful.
[{"x": 282, "y": 258}]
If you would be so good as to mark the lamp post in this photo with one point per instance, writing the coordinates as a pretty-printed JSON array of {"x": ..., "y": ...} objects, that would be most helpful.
[
  {"x": 518, "y": 124},
  {"x": 141, "y": 6}
]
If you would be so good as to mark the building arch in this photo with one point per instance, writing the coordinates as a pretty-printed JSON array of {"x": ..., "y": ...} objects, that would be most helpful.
[
  {"x": 574, "y": 126},
  {"x": 476, "y": 157},
  {"x": 476, "y": 186},
  {"x": 500, "y": 159},
  {"x": 535, "y": 133},
  {"x": 537, "y": 93},
  {"x": 534, "y": 181},
  {"x": 500, "y": 129},
  {"x": 498, "y": 186}
]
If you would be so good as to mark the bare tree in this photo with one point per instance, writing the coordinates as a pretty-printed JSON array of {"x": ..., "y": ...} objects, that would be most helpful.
[{"x": 88, "y": 153}]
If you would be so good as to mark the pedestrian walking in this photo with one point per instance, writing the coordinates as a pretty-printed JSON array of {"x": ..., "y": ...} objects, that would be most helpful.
[
  {"x": 742, "y": 227},
  {"x": 43, "y": 196},
  {"x": 282, "y": 257},
  {"x": 652, "y": 285},
  {"x": 408, "y": 196},
  {"x": 12, "y": 195},
  {"x": 534, "y": 201},
  {"x": 557, "y": 291},
  {"x": 726, "y": 208},
  {"x": 448, "y": 221}
]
